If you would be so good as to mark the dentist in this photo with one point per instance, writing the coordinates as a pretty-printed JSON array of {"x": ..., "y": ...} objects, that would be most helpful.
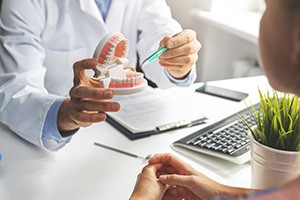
[{"x": 46, "y": 94}]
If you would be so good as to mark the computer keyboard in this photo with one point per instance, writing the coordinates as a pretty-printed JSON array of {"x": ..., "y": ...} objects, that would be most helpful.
[{"x": 226, "y": 139}]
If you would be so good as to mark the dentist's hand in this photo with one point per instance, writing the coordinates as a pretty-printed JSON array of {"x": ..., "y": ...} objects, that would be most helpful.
[
  {"x": 182, "y": 53},
  {"x": 88, "y": 102}
]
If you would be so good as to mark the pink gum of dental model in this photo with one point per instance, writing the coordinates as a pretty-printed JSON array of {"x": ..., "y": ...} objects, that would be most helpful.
[
  {"x": 111, "y": 54},
  {"x": 113, "y": 45}
]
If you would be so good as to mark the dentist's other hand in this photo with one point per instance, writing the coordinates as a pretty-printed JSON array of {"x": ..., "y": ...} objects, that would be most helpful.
[
  {"x": 182, "y": 53},
  {"x": 88, "y": 102}
]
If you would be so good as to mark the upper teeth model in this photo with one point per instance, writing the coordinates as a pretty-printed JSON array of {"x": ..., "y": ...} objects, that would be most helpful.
[{"x": 111, "y": 54}]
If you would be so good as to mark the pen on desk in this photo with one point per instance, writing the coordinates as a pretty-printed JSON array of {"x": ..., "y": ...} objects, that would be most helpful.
[
  {"x": 123, "y": 152},
  {"x": 197, "y": 122},
  {"x": 156, "y": 54},
  {"x": 180, "y": 124}
]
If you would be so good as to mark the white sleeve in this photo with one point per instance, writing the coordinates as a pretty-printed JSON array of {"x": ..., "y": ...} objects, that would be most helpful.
[
  {"x": 24, "y": 101},
  {"x": 155, "y": 22}
]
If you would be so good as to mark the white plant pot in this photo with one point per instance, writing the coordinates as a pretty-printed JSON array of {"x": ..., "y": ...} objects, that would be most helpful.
[{"x": 271, "y": 167}]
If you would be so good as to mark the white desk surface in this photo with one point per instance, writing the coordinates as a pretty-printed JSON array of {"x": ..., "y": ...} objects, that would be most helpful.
[{"x": 83, "y": 171}]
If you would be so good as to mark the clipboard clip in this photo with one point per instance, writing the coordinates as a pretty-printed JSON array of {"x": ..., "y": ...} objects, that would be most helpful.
[{"x": 180, "y": 124}]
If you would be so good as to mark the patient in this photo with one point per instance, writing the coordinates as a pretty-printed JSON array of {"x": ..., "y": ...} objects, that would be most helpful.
[{"x": 166, "y": 177}]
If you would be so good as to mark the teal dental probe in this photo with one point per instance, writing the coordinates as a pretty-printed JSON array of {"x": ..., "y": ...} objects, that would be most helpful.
[{"x": 154, "y": 56}]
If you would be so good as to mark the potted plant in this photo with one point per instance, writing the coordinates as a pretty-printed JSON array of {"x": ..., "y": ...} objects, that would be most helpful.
[{"x": 275, "y": 140}]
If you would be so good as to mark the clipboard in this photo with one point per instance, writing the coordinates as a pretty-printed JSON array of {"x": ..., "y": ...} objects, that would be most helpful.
[
  {"x": 129, "y": 134},
  {"x": 154, "y": 111},
  {"x": 157, "y": 130}
]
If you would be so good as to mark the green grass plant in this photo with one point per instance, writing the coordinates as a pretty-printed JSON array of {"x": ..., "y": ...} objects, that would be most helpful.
[{"x": 277, "y": 120}]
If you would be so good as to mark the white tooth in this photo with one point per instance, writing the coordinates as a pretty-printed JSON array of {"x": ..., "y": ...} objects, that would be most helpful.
[
  {"x": 122, "y": 61},
  {"x": 111, "y": 51},
  {"x": 118, "y": 40}
]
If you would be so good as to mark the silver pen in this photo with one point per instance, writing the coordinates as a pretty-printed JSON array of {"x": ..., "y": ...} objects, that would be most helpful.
[{"x": 123, "y": 152}]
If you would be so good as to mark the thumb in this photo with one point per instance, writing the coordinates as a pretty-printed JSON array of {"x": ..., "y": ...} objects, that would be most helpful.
[{"x": 178, "y": 180}]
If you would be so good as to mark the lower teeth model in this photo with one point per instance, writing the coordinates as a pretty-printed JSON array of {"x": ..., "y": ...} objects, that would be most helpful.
[{"x": 111, "y": 55}]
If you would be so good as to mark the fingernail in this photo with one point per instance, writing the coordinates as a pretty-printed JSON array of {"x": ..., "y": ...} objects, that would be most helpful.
[
  {"x": 170, "y": 44},
  {"x": 108, "y": 93},
  {"x": 116, "y": 107}
]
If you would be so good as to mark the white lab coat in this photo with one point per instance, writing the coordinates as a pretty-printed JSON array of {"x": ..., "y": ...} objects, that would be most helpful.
[{"x": 41, "y": 40}]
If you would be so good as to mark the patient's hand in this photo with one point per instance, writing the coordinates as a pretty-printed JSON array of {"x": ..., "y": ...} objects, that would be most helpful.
[
  {"x": 187, "y": 183},
  {"x": 147, "y": 186}
]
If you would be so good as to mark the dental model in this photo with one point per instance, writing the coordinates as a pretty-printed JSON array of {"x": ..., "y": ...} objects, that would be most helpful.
[{"x": 112, "y": 72}]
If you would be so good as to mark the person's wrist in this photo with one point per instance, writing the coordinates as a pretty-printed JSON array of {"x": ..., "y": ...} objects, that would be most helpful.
[
  {"x": 64, "y": 123},
  {"x": 178, "y": 76},
  {"x": 225, "y": 190},
  {"x": 68, "y": 133}
]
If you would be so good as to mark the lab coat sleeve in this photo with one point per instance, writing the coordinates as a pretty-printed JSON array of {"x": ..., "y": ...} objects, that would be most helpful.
[
  {"x": 24, "y": 101},
  {"x": 155, "y": 22},
  {"x": 51, "y": 137},
  {"x": 191, "y": 77}
]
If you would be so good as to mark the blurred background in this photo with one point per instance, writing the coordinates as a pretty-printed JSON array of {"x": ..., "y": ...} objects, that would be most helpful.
[{"x": 228, "y": 31}]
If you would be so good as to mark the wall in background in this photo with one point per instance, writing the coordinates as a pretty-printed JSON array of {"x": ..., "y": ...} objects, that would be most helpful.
[
  {"x": 221, "y": 51},
  {"x": 181, "y": 10}
]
